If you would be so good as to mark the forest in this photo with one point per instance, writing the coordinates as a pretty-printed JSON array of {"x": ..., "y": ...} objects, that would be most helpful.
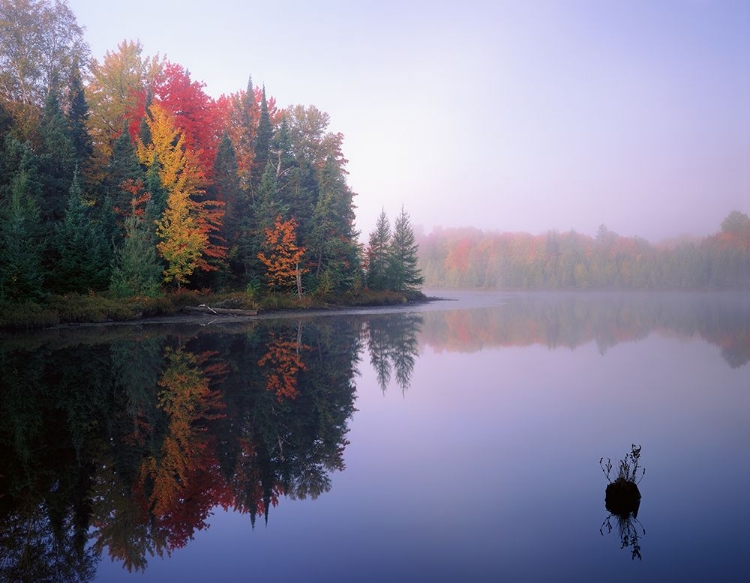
[
  {"x": 470, "y": 258},
  {"x": 124, "y": 183},
  {"x": 123, "y": 178}
]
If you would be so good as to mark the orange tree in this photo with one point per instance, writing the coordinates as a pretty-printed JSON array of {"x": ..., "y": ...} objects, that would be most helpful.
[{"x": 282, "y": 261}]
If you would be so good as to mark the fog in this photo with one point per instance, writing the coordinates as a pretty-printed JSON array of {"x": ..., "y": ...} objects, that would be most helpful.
[{"x": 510, "y": 116}]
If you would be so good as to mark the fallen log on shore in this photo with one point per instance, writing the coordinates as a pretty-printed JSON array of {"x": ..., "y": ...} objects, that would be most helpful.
[{"x": 204, "y": 309}]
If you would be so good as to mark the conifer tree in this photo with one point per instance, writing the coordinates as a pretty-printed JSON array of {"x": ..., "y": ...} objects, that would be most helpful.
[
  {"x": 57, "y": 158},
  {"x": 403, "y": 273},
  {"x": 378, "y": 254},
  {"x": 84, "y": 261},
  {"x": 226, "y": 188},
  {"x": 21, "y": 273},
  {"x": 122, "y": 169},
  {"x": 78, "y": 115},
  {"x": 263, "y": 139},
  {"x": 136, "y": 270},
  {"x": 333, "y": 238}
]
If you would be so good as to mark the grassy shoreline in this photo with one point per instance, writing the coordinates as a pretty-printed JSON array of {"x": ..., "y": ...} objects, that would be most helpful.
[{"x": 102, "y": 308}]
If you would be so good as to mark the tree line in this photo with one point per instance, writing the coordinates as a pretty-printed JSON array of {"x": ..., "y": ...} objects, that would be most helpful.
[
  {"x": 123, "y": 175},
  {"x": 472, "y": 258}
]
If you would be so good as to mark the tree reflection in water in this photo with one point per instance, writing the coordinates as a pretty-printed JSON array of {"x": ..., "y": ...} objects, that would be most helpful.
[
  {"x": 121, "y": 441},
  {"x": 126, "y": 447},
  {"x": 393, "y": 344}
]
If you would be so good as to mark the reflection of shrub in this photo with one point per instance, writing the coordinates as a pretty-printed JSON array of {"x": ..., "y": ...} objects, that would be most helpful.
[{"x": 622, "y": 498}]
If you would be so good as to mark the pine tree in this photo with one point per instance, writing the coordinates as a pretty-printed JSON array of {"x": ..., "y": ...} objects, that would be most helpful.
[
  {"x": 122, "y": 169},
  {"x": 21, "y": 273},
  {"x": 226, "y": 188},
  {"x": 57, "y": 158},
  {"x": 403, "y": 273},
  {"x": 78, "y": 115},
  {"x": 84, "y": 261},
  {"x": 378, "y": 254},
  {"x": 136, "y": 270},
  {"x": 333, "y": 238},
  {"x": 263, "y": 139}
]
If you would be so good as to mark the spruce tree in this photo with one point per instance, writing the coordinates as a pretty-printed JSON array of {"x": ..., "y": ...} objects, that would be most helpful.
[
  {"x": 262, "y": 144},
  {"x": 78, "y": 114},
  {"x": 123, "y": 172},
  {"x": 21, "y": 273},
  {"x": 378, "y": 254},
  {"x": 83, "y": 259},
  {"x": 57, "y": 158},
  {"x": 226, "y": 188},
  {"x": 335, "y": 252},
  {"x": 137, "y": 270},
  {"x": 403, "y": 273}
]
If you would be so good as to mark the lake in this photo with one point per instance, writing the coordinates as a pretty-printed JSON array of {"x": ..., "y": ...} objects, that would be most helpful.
[{"x": 460, "y": 440}]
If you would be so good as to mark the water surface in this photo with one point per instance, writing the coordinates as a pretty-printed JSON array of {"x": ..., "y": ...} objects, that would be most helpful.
[{"x": 459, "y": 440}]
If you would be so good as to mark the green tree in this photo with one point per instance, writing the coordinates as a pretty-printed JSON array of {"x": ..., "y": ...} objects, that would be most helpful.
[
  {"x": 226, "y": 188},
  {"x": 335, "y": 252},
  {"x": 378, "y": 254},
  {"x": 20, "y": 269},
  {"x": 78, "y": 115},
  {"x": 403, "y": 273},
  {"x": 136, "y": 270},
  {"x": 263, "y": 139},
  {"x": 84, "y": 260},
  {"x": 57, "y": 159}
]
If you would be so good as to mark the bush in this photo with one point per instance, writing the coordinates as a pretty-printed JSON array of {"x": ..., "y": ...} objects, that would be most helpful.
[{"x": 17, "y": 316}]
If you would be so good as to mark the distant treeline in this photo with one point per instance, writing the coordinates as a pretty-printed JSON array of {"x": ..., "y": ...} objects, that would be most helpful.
[{"x": 470, "y": 258}]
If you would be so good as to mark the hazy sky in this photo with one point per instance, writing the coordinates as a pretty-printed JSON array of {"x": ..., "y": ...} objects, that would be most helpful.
[{"x": 519, "y": 115}]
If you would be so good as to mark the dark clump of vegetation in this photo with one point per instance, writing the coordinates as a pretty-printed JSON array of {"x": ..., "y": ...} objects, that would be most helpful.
[
  {"x": 622, "y": 495},
  {"x": 622, "y": 499}
]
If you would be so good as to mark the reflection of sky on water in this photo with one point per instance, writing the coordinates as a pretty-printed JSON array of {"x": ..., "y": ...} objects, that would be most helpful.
[{"x": 487, "y": 469}]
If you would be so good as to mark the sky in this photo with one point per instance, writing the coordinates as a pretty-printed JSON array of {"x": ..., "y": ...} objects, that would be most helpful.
[{"x": 507, "y": 115}]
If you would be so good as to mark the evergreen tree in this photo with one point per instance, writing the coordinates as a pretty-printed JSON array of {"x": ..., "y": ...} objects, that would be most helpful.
[
  {"x": 378, "y": 254},
  {"x": 57, "y": 158},
  {"x": 335, "y": 250},
  {"x": 246, "y": 136},
  {"x": 263, "y": 139},
  {"x": 123, "y": 170},
  {"x": 123, "y": 165},
  {"x": 83, "y": 257},
  {"x": 78, "y": 115},
  {"x": 403, "y": 273},
  {"x": 21, "y": 273},
  {"x": 226, "y": 188},
  {"x": 137, "y": 270},
  {"x": 157, "y": 191},
  {"x": 266, "y": 208}
]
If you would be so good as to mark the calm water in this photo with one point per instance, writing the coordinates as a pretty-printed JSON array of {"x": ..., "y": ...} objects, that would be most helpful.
[{"x": 458, "y": 441}]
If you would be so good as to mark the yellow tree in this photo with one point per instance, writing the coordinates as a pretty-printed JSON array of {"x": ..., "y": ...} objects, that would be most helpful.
[
  {"x": 282, "y": 261},
  {"x": 184, "y": 226},
  {"x": 114, "y": 89}
]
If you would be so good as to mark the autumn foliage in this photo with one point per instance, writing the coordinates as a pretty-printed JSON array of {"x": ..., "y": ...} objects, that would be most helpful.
[{"x": 282, "y": 256}]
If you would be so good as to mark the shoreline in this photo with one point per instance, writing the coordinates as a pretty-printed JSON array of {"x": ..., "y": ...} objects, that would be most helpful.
[{"x": 181, "y": 317}]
